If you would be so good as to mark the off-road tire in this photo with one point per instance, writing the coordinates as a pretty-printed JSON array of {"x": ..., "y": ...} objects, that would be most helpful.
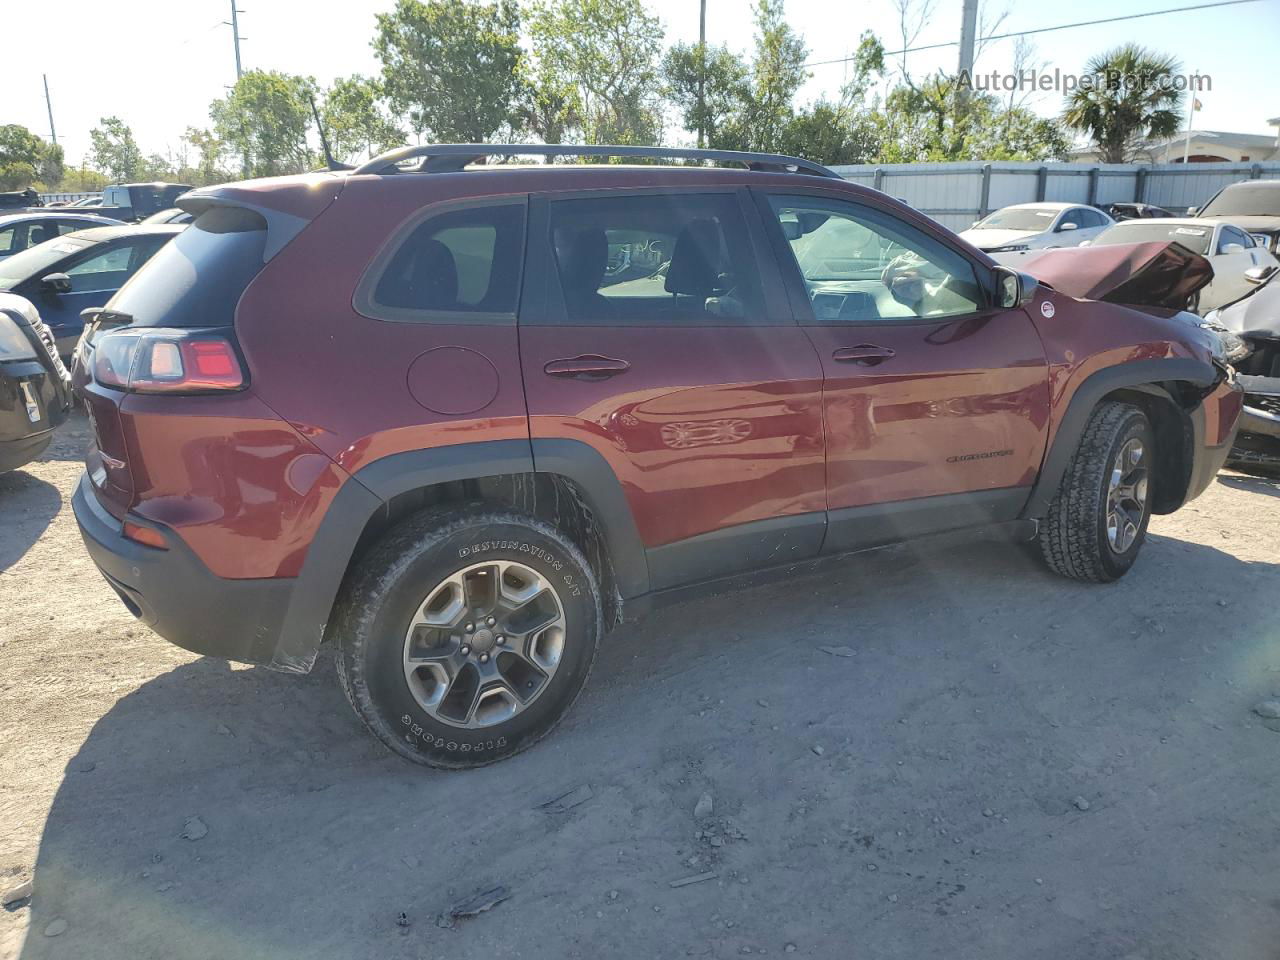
[
  {"x": 1073, "y": 534},
  {"x": 383, "y": 594}
]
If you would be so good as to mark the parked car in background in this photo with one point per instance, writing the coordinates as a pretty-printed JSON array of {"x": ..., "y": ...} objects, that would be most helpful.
[
  {"x": 87, "y": 202},
  {"x": 81, "y": 270},
  {"x": 172, "y": 215},
  {"x": 534, "y": 398},
  {"x": 1231, "y": 251},
  {"x": 35, "y": 392},
  {"x": 19, "y": 231},
  {"x": 1137, "y": 211},
  {"x": 1035, "y": 226},
  {"x": 134, "y": 201},
  {"x": 19, "y": 199},
  {"x": 1253, "y": 205}
]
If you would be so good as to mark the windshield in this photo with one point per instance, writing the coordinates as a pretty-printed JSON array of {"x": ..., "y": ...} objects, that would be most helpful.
[
  {"x": 1018, "y": 218},
  {"x": 1246, "y": 200},
  {"x": 37, "y": 261},
  {"x": 1195, "y": 239}
]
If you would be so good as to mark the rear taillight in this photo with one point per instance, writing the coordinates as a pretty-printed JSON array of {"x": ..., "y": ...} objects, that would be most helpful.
[{"x": 156, "y": 360}]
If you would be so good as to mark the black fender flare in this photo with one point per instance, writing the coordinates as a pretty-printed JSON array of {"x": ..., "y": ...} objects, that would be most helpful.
[
  {"x": 372, "y": 487},
  {"x": 1138, "y": 374}
]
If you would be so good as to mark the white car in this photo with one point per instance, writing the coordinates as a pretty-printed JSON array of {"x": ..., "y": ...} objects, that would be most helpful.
[
  {"x": 1036, "y": 226},
  {"x": 1233, "y": 252}
]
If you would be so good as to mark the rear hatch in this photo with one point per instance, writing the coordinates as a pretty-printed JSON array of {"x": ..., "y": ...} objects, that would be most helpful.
[{"x": 192, "y": 284}]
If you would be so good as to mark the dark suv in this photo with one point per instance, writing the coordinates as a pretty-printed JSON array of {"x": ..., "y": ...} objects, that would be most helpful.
[{"x": 457, "y": 419}]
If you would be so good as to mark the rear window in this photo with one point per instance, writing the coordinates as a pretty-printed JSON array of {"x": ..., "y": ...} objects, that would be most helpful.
[
  {"x": 197, "y": 279},
  {"x": 1246, "y": 200}
]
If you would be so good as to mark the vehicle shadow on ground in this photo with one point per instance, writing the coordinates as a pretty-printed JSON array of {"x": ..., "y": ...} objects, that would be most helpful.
[
  {"x": 893, "y": 749},
  {"x": 1268, "y": 486},
  {"x": 27, "y": 507}
]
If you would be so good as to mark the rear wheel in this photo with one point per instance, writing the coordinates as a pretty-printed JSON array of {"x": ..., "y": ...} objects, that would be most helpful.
[
  {"x": 466, "y": 634},
  {"x": 1097, "y": 523}
]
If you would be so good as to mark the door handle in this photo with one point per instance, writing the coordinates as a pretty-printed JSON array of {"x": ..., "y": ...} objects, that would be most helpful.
[
  {"x": 867, "y": 354},
  {"x": 588, "y": 366}
]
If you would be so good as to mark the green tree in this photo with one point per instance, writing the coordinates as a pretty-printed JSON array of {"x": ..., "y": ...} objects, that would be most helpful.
[
  {"x": 605, "y": 54},
  {"x": 710, "y": 87},
  {"x": 113, "y": 150},
  {"x": 264, "y": 120},
  {"x": 354, "y": 121},
  {"x": 777, "y": 72},
  {"x": 452, "y": 66},
  {"x": 1133, "y": 102},
  {"x": 52, "y": 165},
  {"x": 209, "y": 150},
  {"x": 22, "y": 155}
]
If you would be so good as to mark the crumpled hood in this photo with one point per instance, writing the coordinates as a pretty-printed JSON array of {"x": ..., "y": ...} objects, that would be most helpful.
[
  {"x": 1256, "y": 314},
  {"x": 986, "y": 239},
  {"x": 1153, "y": 274}
]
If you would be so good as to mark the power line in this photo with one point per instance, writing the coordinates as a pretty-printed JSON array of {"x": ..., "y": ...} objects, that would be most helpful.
[{"x": 1026, "y": 33}]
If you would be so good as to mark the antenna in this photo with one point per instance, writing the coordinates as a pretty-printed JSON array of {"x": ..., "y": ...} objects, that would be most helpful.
[{"x": 331, "y": 163}]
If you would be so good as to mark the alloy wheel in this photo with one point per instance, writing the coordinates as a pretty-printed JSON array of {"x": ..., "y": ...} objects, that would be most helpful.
[
  {"x": 1126, "y": 495},
  {"x": 484, "y": 644}
]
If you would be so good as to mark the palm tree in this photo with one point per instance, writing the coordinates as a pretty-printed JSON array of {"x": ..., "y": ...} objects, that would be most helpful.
[{"x": 1129, "y": 104}]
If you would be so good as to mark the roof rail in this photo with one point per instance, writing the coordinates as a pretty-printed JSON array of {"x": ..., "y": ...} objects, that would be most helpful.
[{"x": 452, "y": 157}]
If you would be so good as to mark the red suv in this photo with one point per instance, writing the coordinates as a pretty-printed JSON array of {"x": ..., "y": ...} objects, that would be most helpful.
[{"x": 457, "y": 419}]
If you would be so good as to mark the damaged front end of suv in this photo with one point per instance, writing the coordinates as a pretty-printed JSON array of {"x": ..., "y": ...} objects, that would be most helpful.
[{"x": 1250, "y": 331}]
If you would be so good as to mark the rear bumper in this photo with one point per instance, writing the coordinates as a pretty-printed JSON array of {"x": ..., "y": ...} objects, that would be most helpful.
[
  {"x": 18, "y": 453},
  {"x": 175, "y": 595}
]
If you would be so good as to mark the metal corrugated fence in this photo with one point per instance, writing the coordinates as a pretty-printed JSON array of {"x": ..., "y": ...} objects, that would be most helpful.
[{"x": 956, "y": 194}]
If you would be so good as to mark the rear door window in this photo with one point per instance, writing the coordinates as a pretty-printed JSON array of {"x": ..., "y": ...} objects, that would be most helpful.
[
  {"x": 655, "y": 259},
  {"x": 453, "y": 265}
]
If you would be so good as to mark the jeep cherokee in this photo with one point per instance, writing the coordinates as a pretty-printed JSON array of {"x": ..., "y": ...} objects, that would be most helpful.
[{"x": 456, "y": 418}]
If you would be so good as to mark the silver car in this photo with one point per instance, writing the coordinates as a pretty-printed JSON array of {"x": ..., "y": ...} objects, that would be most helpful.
[{"x": 1036, "y": 226}]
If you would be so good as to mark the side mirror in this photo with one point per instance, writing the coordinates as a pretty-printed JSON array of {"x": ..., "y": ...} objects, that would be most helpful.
[
  {"x": 1193, "y": 211},
  {"x": 1064, "y": 227},
  {"x": 1233, "y": 248},
  {"x": 791, "y": 229},
  {"x": 1014, "y": 289},
  {"x": 974, "y": 224},
  {"x": 1258, "y": 274},
  {"x": 1084, "y": 243},
  {"x": 56, "y": 283}
]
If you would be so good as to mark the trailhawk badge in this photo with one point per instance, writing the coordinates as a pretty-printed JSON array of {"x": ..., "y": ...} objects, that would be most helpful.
[{"x": 1046, "y": 309}]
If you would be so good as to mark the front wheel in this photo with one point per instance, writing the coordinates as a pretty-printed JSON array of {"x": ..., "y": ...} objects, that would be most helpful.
[
  {"x": 1097, "y": 523},
  {"x": 466, "y": 634}
]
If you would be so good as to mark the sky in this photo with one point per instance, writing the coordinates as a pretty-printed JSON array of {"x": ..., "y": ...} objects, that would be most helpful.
[{"x": 157, "y": 64}]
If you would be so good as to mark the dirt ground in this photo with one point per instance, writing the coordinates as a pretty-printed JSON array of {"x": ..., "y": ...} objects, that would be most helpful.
[{"x": 993, "y": 763}]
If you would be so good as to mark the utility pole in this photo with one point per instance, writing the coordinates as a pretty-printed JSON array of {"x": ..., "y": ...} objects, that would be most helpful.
[
  {"x": 53, "y": 134},
  {"x": 235, "y": 35},
  {"x": 702, "y": 73},
  {"x": 968, "y": 38}
]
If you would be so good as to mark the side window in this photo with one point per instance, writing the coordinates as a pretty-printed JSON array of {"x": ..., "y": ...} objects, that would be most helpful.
[
  {"x": 654, "y": 259},
  {"x": 1074, "y": 215},
  {"x": 109, "y": 269},
  {"x": 863, "y": 265},
  {"x": 1091, "y": 218},
  {"x": 1232, "y": 235},
  {"x": 10, "y": 241},
  {"x": 40, "y": 231},
  {"x": 458, "y": 262},
  {"x": 71, "y": 226}
]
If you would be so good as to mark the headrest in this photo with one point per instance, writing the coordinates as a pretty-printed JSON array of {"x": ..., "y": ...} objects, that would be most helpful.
[{"x": 694, "y": 259}]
